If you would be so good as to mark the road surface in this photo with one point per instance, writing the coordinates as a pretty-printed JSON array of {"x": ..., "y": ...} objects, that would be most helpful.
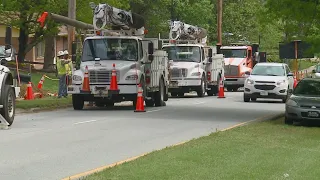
[{"x": 55, "y": 145}]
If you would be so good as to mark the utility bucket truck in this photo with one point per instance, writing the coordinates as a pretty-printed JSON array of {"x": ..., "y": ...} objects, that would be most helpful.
[
  {"x": 124, "y": 49},
  {"x": 194, "y": 66},
  {"x": 239, "y": 58},
  {"x": 9, "y": 88}
]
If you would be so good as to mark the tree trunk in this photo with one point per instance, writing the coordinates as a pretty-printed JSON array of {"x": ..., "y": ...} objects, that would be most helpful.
[
  {"x": 23, "y": 41},
  {"x": 48, "y": 53}
]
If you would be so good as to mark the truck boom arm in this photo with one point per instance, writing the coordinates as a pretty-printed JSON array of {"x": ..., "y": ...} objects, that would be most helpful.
[{"x": 63, "y": 19}]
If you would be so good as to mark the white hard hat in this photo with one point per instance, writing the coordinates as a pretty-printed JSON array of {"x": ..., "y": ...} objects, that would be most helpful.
[
  {"x": 60, "y": 53},
  {"x": 66, "y": 52}
]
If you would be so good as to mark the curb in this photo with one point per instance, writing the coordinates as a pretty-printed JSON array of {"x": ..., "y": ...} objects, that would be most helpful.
[{"x": 80, "y": 176}]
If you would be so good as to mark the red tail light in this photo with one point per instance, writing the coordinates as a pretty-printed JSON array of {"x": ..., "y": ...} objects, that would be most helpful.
[
  {"x": 209, "y": 76},
  {"x": 148, "y": 80}
]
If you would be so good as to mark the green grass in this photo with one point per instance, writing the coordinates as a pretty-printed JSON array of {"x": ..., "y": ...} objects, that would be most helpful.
[
  {"x": 262, "y": 150},
  {"x": 48, "y": 85},
  {"x": 44, "y": 103},
  {"x": 306, "y": 64}
]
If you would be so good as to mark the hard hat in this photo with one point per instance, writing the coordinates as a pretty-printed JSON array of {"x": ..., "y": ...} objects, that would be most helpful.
[
  {"x": 60, "y": 53},
  {"x": 66, "y": 52}
]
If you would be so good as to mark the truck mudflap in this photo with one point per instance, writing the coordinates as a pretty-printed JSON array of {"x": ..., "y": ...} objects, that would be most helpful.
[
  {"x": 103, "y": 90},
  {"x": 17, "y": 91}
]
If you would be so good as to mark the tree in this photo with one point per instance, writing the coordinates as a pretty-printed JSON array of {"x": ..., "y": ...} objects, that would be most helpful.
[{"x": 27, "y": 13}]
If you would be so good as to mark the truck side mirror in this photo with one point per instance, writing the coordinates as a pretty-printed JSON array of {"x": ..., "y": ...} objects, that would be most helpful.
[
  {"x": 150, "y": 48},
  {"x": 210, "y": 53},
  {"x": 74, "y": 52}
]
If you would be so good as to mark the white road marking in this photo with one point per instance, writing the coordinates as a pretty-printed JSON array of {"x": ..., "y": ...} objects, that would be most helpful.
[
  {"x": 153, "y": 110},
  {"x": 199, "y": 103},
  {"x": 82, "y": 122}
]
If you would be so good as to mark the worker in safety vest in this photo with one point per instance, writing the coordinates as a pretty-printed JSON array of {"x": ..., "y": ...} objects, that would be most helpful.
[
  {"x": 68, "y": 67},
  {"x": 62, "y": 71}
]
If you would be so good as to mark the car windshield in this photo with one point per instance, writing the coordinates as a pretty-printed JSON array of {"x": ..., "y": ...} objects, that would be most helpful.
[
  {"x": 307, "y": 88},
  {"x": 268, "y": 70},
  {"x": 318, "y": 69},
  {"x": 183, "y": 53},
  {"x": 234, "y": 53},
  {"x": 110, "y": 49}
]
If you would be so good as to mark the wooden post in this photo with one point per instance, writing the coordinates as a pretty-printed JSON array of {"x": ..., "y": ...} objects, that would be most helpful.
[
  {"x": 219, "y": 23},
  {"x": 71, "y": 30}
]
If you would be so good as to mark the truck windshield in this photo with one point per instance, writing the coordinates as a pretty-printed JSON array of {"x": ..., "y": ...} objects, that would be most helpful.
[
  {"x": 110, "y": 49},
  {"x": 268, "y": 71},
  {"x": 234, "y": 53},
  {"x": 2, "y": 51},
  {"x": 183, "y": 53}
]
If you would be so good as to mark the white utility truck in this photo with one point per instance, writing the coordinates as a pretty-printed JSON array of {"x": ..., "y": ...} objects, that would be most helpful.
[
  {"x": 8, "y": 82},
  {"x": 137, "y": 60},
  {"x": 194, "y": 66}
]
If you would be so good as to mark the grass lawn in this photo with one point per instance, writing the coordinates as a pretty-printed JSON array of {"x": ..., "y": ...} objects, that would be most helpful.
[
  {"x": 44, "y": 103},
  {"x": 306, "y": 64},
  {"x": 261, "y": 150}
]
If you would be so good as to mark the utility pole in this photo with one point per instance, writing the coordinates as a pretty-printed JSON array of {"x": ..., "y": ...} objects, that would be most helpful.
[
  {"x": 71, "y": 30},
  {"x": 219, "y": 24},
  {"x": 172, "y": 10}
]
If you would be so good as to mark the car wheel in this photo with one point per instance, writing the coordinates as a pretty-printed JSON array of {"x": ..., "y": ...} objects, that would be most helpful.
[
  {"x": 287, "y": 120},
  {"x": 254, "y": 99},
  {"x": 246, "y": 98}
]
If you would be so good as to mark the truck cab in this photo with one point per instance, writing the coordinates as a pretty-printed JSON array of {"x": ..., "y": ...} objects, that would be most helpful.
[
  {"x": 238, "y": 60},
  {"x": 187, "y": 68}
]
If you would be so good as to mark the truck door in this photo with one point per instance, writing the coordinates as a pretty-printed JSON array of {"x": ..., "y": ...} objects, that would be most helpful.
[{"x": 249, "y": 62}]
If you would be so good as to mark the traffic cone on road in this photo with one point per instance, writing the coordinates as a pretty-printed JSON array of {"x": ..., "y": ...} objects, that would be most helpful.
[
  {"x": 114, "y": 84},
  {"x": 29, "y": 95},
  {"x": 86, "y": 83},
  {"x": 295, "y": 82},
  {"x": 221, "y": 90},
  {"x": 140, "y": 100},
  {"x": 40, "y": 84}
]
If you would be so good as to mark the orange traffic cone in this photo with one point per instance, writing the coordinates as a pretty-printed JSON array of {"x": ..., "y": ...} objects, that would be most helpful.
[
  {"x": 140, "y": 100},
  {"x": 114, "y": 84},
  {"x": 86, "y": 83},
  {"x": 29, "y": 92},
  {"x": 221, "y": 90},
  {"x": 40, "y": 84}
]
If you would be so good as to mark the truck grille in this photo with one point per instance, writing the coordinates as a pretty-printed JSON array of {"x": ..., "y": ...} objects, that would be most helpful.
[
  {"x": 271, "y": 82},
  {"x": 98, "y": 77},
  {"x": 265, "y": 87},
  {"x": 231, "y": 70},
  {"x": 175, "y": 72}
]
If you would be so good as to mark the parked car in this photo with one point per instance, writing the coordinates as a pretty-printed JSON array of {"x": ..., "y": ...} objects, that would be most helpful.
[
  {"x": 268, "y": 80},
  {"x": 316, "y": 71},
  {"x": 304, "y": 102}
]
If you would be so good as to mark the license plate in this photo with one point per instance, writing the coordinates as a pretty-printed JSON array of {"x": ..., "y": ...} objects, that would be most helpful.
[
  {"x": 264, "y": 93},
  {"x": 313, "y": 114}
]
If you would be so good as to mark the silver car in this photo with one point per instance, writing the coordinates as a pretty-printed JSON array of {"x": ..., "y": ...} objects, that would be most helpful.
[{"x": 304, "y": 103}]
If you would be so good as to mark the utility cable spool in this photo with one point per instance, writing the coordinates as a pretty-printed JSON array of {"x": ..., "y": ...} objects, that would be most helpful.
[{"x": 183, "y": 31}]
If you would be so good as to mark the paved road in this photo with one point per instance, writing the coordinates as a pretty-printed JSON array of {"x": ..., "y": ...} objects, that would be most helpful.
[{"x": 53, "y": 145}]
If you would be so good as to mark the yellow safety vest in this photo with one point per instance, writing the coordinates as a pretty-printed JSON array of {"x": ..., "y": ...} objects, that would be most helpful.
[
  {"x": 60, "y": 67},
  {"x": 69, "y": 67}
]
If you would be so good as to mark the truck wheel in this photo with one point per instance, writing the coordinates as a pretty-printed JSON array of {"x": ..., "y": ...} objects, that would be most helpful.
[
  {"x": 215, "y": 89},
  {"x": 246, "y": 98},
  {"x": 166, "y": 94},
  {"x": 159, "y": 96},
  {"x": 77, "y": 102},
  {"x": 202, "y": 89},
  {"x": 8, "y": 101},
  {"x": 149, "y": 103},
  {"x": 174, "y": 94},
  {"x": 109, "y": 104},
  {"x": 210, "y": 93}
]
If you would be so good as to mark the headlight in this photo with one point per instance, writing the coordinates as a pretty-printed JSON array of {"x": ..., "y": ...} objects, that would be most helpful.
[
  {"x": 279, "y": 83},
  {"x": 76, "y": 78},
  {"x": 249, "y": 81},
  {"x": 291, "y": 102},
  {"x": 132, "y": 77},
  {"x": 196, "y": 74}
]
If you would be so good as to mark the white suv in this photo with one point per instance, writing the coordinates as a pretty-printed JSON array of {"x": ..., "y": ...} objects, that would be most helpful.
[{"x": 268, "y": 80}]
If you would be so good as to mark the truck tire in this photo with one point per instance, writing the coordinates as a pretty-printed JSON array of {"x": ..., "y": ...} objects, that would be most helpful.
[
  {"x": 166, "y": 95},
  {"x": 8, "y": 101},
  {"x": 149, "y": 102},
  {"x": 77, "y": 102},
  {"x": 215, "y": 89},
  {"x": 159, "y": 96},
  {"x": 246, "y": 98},
  {"x": 202, "y": 89}
]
